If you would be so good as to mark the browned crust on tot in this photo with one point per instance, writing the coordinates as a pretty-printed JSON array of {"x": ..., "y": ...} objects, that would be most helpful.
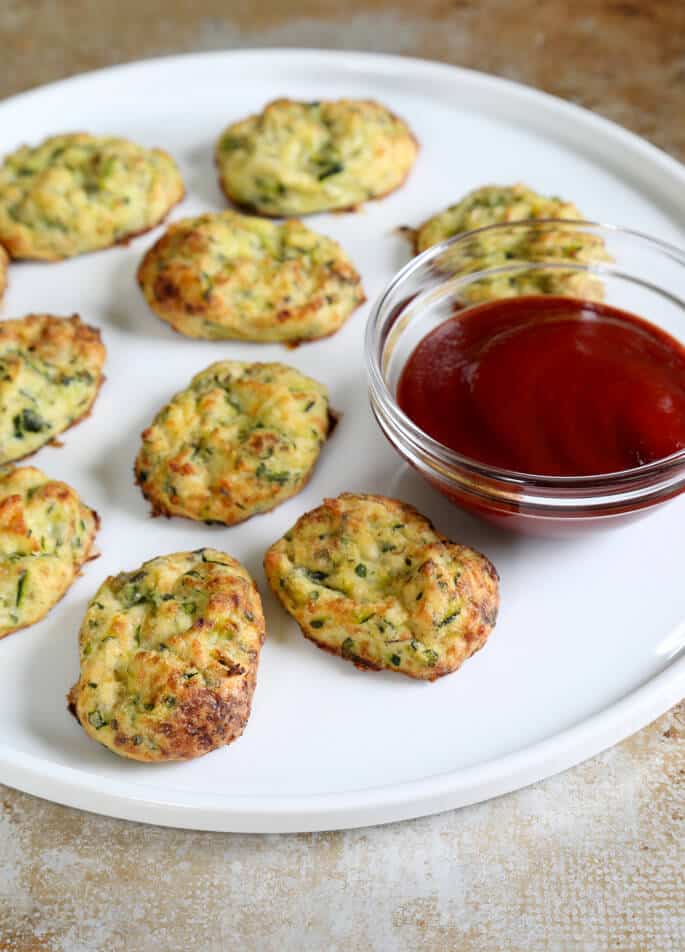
[
  {"x": 294, "y": 344},
  {"x": 210, "y": 708},
  {"x": 85, "y": 335},
  {"x": 203, "y": 721}
]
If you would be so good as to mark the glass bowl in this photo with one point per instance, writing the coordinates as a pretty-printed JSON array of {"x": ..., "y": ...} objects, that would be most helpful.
[{"x": 624, "y": 268}]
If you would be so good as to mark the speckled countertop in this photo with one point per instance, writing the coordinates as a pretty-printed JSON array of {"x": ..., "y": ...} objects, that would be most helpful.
[{"x": 590, "y": 860}]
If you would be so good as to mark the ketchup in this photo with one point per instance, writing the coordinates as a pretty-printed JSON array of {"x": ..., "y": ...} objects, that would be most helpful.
[{"x": 550, "y": 386}]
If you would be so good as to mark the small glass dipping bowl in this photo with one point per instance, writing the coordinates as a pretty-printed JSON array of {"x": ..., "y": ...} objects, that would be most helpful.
[{"x": 625, "y": 269}]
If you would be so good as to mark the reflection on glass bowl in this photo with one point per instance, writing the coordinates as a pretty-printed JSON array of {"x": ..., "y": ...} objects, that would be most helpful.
[{"x": 623, "y": 268}]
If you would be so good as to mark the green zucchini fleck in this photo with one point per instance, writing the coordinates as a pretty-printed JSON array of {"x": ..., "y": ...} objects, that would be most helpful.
[
  {"x": 272, "y": 477},
  {"x": 316, "y": 576},
  {"x": 28, "y": 421},
  {"x": 448, "y": 618},
  {"x": 21, "y": 586},
  {"x": 230, "y": 143},
  {"x": 333, "y": 168},
  {"x": 347, "y": 648},
  {"x": 96, "y": 720}
]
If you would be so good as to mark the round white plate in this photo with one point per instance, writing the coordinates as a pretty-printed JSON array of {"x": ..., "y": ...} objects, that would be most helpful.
[{"x": 589, "y": 645}]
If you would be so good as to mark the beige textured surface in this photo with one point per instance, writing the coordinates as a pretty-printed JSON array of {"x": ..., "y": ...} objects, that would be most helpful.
[{"x": 591, "y": 860}]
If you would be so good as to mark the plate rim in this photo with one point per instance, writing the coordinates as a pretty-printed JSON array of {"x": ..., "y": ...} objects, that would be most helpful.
[
  {"x": 392, "y": 62},
  {"x": 439, "y": 792},
  {"x": 370, "y": 806}
]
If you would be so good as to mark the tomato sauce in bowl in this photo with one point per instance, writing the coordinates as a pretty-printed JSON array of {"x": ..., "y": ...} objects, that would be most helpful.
[{"x": 550, "y": 386}]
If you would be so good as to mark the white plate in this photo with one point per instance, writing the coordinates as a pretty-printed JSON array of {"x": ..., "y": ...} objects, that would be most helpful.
[{"x": 589, "y": 645}]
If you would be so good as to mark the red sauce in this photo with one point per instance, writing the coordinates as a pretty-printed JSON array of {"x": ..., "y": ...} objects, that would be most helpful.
[{"x": 550, "y": 386}]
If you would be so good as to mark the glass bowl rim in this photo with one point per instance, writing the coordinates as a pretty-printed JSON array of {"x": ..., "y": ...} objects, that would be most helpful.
[{"x": 382, "y": 398}]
